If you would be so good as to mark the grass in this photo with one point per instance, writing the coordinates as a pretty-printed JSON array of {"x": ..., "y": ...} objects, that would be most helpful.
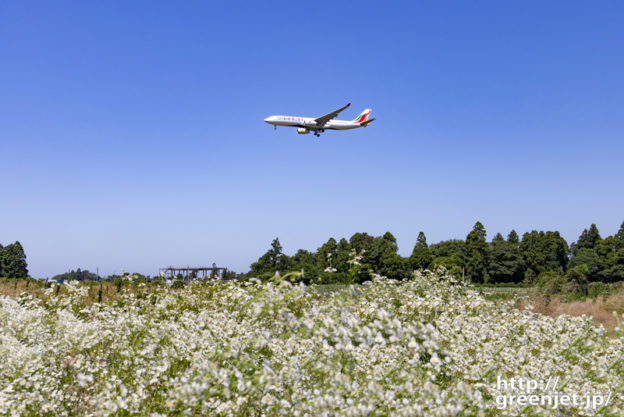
[
  {"x": 600, "y": 309},
  {"x": 104, "y": 292}
]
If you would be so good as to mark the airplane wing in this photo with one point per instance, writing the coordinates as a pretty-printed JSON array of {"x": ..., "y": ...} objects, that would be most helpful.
[{"x": 321, "y": 121}]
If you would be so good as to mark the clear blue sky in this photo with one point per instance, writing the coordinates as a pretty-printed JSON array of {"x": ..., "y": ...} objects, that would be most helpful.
[{"x": 132, "y": 133}]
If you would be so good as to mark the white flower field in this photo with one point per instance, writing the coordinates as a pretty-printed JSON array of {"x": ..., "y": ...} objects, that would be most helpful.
[{"x": 428, "y": 346}]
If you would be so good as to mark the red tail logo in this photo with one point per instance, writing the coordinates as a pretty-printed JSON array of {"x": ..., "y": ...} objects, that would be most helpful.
[{"x": 362, "y": 117}]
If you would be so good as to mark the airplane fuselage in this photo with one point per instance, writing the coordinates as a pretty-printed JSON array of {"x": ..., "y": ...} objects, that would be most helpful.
[{"x": 310, "y": 123}]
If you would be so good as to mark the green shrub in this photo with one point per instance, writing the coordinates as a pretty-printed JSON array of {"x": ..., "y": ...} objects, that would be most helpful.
[
  {"x": 550, "y": 282},
  {"x": 578, "y": 277},
  {"x": 597, "y": 289}
]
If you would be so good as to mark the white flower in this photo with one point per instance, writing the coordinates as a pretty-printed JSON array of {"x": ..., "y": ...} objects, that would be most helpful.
[
  {"x": 84, "y": 380},
  {"x": 267, "y": 399},
  {"x": 195, "y": 345}
]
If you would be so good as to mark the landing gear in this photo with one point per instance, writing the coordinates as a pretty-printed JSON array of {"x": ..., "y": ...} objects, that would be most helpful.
[
  {"x": 317, "y": 134},
  {"x": 274, "y": 127}
]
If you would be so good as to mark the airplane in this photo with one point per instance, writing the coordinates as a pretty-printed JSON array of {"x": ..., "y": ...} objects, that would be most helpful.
[{"x": 306, "y": 124}]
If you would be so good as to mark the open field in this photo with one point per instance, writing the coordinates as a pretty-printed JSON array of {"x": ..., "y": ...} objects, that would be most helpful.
[
  {"x": 426, "y": 346},
  {"x": 602, "y": 309},
  {"x": 103, "y": 292}
]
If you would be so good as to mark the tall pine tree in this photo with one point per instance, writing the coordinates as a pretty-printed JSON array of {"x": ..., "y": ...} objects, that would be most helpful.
[
  {"x": 477, "y": 252},
  {"x": 588, "y": 239},
  {"x": 421, "y": 255},
  {"x": 273, "y": 260}
]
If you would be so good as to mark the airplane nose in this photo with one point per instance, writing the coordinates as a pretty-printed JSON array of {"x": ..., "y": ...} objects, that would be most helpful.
[{"x": 268, "y": 120}]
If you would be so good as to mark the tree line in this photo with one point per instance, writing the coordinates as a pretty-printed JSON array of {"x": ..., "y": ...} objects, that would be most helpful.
[
  {"x": 509, "y": 259},
  {"x": 13, "y": 261}
]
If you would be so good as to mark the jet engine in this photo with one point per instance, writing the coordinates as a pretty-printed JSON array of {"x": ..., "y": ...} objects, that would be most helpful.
[{"x": 303, "y": 131}]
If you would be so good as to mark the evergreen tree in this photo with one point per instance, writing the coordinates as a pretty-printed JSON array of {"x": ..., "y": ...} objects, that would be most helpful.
[
  {"x": 588, "y": 239},
  {"x": 393, "y": 264},
  {"x": 450, "y": 254},
  {"x": 227, "y": 275},
  {"x": 384, "y": 259},
  {"x": 611, "y": 258},
  {"x": 505, "y": 261},
  {"x": 363, "y": 245},
  {"x": 454, "y": 248},
  {"x": 615, "y": 270},
  {"x": 305, "y": 261},
  {"x": 77, "y": 275},
  {"x": 326, "y": 254},
  {"x": 606, "y": 248},
  {"x": 512, "y": 237},
  {"x": 594, "y": 263},
  {"x": 556, "y": 249},
  {"x": 326, "y": 261},
  {"x": 421, "y": 255},
  {"x": 361, "y": 242},
  {"x": 13, "y": 261},
  {"x": 477, "y": 252},
  {"x": 498, "y": 238},
  {"x": 619, "y": 238},
  {"x": 610, "y": 251},
  {"x": 544, "y": 251},
  {"x": 533, "y": 253},
  {"x": 343, "y": 253},
  {"x": 389, "y": 237},
  {"x": 273, "y": 260}
]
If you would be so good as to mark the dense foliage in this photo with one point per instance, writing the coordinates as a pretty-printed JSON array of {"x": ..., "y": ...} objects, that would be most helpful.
[
  {"x": 13, "y": 261},
  {"x": 424, "y": 346},
  {"x": 510, "y": 260},
  {"x": 77, "y": 275}
]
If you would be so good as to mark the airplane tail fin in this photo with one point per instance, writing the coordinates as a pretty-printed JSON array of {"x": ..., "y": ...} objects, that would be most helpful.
[{"x": 363, "y": 117}]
